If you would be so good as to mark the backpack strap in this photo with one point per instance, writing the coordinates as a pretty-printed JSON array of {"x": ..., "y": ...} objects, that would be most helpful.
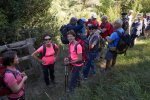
[
  {"x": 44, "y": 50},
  {"x": 119, "y": 33},
  {"x": 10, "y": 71},
  {"x": 75, "y": 48},
  {"x": 55, "y": 48}
]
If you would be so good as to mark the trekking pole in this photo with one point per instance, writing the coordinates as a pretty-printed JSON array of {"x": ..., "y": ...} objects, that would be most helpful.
[{"x": 66, "y": 77}]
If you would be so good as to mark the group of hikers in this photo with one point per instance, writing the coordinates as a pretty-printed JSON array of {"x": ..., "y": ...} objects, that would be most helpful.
[{"x": 85, "y": 39}]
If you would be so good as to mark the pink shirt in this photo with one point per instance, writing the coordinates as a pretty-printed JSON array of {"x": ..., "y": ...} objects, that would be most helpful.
[
  {"x": 74, "y": 53},
  {"x": 10, "y": 80},
  {"x": 49, "y": 57}
]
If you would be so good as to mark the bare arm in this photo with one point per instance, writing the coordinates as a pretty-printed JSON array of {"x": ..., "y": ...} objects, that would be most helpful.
[
  {"x": 108, "y": 39},
  {"x": 16, "y": 87},
  {"x": 34, "y": 55},
  {"x": 104, "y": 30}
]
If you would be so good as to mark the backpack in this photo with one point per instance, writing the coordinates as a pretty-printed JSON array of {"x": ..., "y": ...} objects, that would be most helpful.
[
  {"x": 63, "y": 34},
  {"x": 124, "y": 43},
  {"x": 42, "y": 54},
  {"x": 91, "y": 39},
  {"x": 4, "y": 90},
  {"x": 85, "y": 48},
  {"x": 125, "y": 24}
]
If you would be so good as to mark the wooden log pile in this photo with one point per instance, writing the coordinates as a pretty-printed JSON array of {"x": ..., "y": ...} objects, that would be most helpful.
[{"x": 27, "y": 44}]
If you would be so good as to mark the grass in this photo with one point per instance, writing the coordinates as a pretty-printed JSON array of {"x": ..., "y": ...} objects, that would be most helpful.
[{"x": 129, "y": 80}]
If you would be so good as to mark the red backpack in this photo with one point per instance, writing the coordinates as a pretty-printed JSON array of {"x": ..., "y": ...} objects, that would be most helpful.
[
  {"x": 84, "y": 49},
  {"x": 4, "y": 90}
]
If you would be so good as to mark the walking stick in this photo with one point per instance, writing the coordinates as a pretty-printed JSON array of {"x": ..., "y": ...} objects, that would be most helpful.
[
  {"x": 66, "y": 73},
  {"x": 66, "y": 77}
]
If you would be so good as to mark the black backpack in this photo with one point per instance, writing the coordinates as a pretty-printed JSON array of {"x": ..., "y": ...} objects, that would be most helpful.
[
  {"x": 124, "y": 43},
  {"x": 125, "y": 24},
  {"x": 63, "y": 34}
]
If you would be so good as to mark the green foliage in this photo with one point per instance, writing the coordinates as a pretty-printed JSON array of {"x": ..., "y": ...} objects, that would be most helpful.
[
  {"x": 110, "y": 8},
  {"x": 18, "y": 15},
  {"x": 21, "y": 19},
  {"x": 113, "y": 12},
  {"x": 145, "y": 6}
]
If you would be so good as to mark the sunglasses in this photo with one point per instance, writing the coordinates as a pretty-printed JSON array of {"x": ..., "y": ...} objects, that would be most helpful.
[{"x": 47, "y": 39}]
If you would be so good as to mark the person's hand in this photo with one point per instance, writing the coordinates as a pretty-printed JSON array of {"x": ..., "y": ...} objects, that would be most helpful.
[
  {"x": 23, "y": 74},
  {"x": 107, "y": 37},
  {"x": 42, "y": 62},
  {"x": 56, "y": 58},
  {"x": 66, "y": 61},
  {"x": 25, "y": 78}
]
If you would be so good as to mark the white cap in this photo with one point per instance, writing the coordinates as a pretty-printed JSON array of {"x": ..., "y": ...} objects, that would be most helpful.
[
  {"x": 94, "y": 15},
  {"x": 131, "y": 11}
]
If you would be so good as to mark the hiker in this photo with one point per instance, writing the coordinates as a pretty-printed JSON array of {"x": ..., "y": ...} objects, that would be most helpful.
[
  {"x": 75, "y": 60},
  {"x": 136, "y": 30},
  {"x": 92, "y": 22},
  {"x": 125, "y": 20},
  {"x": 147, "y": 30},
  {"x": 106, "y": 30},
  {"x": 49, "y": 54},
  {"x": 13, "y": 78},
  {"x": 113, "y": 40},
  {"x": 106, "y": 27},
  {"x": 130, "y": 16},
  {"x": 144, "y": 22},
  {"x": 92, "y": 52}
]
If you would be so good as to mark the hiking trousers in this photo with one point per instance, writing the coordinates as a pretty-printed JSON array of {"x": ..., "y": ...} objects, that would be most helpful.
[
  {"x": 48, "y": 70},
  {"x": 75, "y": 77},
  {"x": 90, "y": 65}
]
